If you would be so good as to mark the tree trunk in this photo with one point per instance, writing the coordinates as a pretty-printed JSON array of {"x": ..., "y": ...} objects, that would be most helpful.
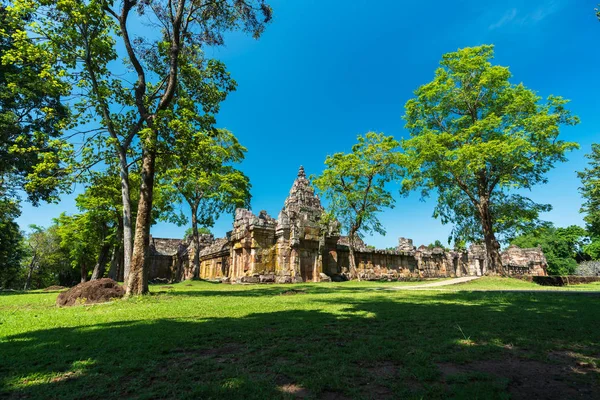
[
  {"x": 83, "y": 272},
  {"x": 492, "y": 247},
  {"x": 137, "y": 281},
  {"x": 30, "y": 272},
  {"x": 196, "y": 239},
  {"x": 126, "y": 223},
  {"x": 100, "y": 266},
  {"x": 116, "y": 260},
  {"x": 352, "y": 257}
]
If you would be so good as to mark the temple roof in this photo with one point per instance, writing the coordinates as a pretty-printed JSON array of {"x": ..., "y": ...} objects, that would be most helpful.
[{"x": 302, "y": 196}]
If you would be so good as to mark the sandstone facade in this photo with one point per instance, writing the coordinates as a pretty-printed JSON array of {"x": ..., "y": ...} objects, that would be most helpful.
[{"x": 297, "y": 247}]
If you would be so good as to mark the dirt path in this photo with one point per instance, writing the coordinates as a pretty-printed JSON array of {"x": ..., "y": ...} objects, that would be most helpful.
[
  {"x": 464, "y": 279},
  {"x": 447, "y": 282}
]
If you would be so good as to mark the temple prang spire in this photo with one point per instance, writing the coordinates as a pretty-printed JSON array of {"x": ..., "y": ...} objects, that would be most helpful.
[{"x": 301, "y": 173}]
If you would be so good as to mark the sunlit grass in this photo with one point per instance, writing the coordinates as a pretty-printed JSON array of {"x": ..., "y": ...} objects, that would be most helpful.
[{"x": 207, "y": 340}]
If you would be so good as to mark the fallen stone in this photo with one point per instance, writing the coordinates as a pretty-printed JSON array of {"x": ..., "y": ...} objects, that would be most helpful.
[
  {"x": 269, "y": 278},
  {"x": 250, "y": 279},
  {"x": 283, "y": 279},
  {"x": 324, "y": 278}
]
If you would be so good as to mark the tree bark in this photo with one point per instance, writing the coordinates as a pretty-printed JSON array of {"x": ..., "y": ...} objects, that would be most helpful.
[
  {"x": 30, "y": 272},
  {"x": 116, "y": 260},
  {"x": 352, "y": 256},
  {"x": 113, "y": 269},
  {"x": 127, "y": 229},
  {"x": 196, "y": 239},
  {"x": 100, "y": 266},
  {"x": 83, "y": 272},
  {"x": 492, "y": 247},
  {"x": 137, "y": 281}
]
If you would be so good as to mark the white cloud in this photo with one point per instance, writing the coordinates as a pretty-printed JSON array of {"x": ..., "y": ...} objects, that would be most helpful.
[
  {"x": 508, "y": 17},
  {"x": 542, "y": 12},
  {"x": 532, "y": 16}
]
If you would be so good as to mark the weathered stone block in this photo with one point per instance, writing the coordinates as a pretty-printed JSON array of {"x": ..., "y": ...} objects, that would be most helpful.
[
  {"x": 269, "y": 278},
  {"x": 324, "y": 278},
  {"x": 250, "y": 279},
  {"x": 283, "y": 279}
]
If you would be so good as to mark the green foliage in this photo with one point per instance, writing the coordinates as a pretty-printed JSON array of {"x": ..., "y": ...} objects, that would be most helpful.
[
  {"x": 78, "y": 237},
  {"x": 592, "y": 249},
  {"x": 590, "y": 191},
  {"x": 355, "y": 183},
  {"x": 476, "y": 138},
  {"x": 200, "y": 168},
  {"x": 201, "y": 231},
  {"x": 48, "y": 261},
  {"x": 129, "y": 111},
  {"x": 563, "y": 247},
  {"x": 11, "y": 245},
  {"x": 32, "y": 116},
  {"x": 69, "y": 249},
  {"x": 437, "y": 243}
]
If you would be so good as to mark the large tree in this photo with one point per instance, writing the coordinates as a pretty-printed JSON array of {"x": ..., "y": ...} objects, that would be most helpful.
[
  {"x": 475, "y": 138},
  {"x": 89, "y": 34},
  {"x": 355, "y": 185}
]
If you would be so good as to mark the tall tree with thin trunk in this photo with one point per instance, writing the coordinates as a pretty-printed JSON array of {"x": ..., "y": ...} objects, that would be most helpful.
[
  {"x": 475, "y": 138},
  {"x": 355, "y": 186},
  {"x": 202, "y": 171}
]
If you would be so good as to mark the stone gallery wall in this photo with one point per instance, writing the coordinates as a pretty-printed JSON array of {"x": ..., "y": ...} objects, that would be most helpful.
[{"x": 295, "y": 247}]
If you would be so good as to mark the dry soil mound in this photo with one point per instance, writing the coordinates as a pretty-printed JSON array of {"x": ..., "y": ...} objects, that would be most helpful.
[{"x": 97, "y": 291}]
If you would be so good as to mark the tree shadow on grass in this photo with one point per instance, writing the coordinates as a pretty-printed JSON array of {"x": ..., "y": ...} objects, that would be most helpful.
[{"x": 426, "y": 346}]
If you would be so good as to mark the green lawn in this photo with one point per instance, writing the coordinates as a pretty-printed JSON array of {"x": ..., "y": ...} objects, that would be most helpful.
[{"x": 202, "y": 340}]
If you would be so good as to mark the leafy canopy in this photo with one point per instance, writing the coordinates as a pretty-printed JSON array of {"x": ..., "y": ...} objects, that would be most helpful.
[
  {"x": 476, "y": 138},
  {"x": 32, "y": 115},
  {"x": 355, "y": 183},
  {"x": 201, "y": 170},
  {"x": 590, "y": 191}
]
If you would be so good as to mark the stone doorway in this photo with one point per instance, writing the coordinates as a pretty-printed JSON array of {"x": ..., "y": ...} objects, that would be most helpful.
[{"x": 308, "y": 263}]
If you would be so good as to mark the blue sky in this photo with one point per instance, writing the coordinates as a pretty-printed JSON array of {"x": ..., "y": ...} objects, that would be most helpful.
[{"x": 326, "y": 71}]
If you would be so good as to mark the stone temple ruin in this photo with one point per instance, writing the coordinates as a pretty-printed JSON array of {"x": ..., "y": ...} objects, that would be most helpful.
[{"x": 296, "y": 247}]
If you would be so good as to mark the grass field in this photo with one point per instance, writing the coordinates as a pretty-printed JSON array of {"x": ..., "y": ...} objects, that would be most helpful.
[{"x": 332, "y": 341}]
